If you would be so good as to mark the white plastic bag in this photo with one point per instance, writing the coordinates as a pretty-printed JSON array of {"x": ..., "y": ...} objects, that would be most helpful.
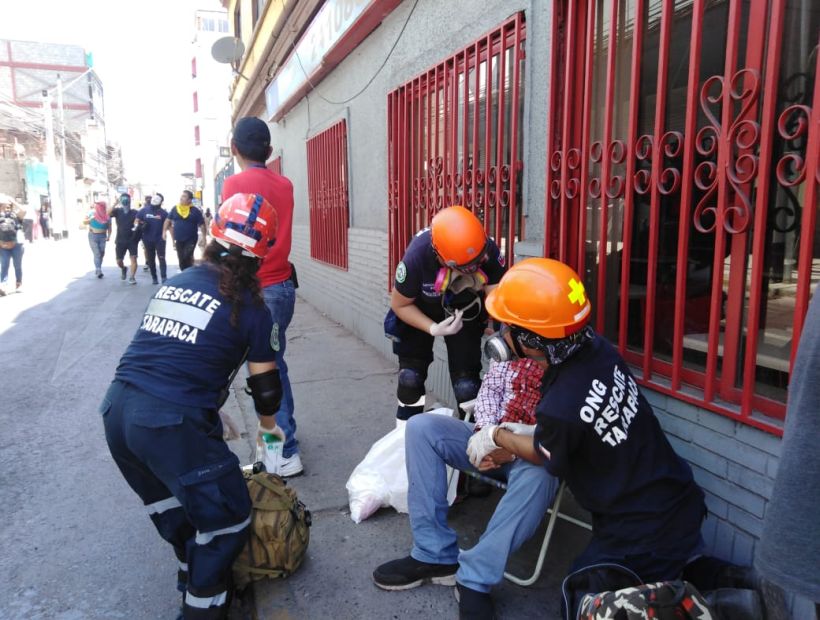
[{"x": 380, "y": 480}]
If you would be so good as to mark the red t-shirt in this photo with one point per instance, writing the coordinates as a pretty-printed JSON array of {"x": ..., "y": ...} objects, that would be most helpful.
[{"x": 278, "y": 191}]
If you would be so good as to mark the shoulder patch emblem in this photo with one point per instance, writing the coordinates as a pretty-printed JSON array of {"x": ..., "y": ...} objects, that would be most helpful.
[
  {"x": 501, "y": 259},
  {"x": 401, "y": 272}
]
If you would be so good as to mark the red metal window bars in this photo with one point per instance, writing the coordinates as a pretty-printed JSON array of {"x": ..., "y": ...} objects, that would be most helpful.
[
  {"x": 327, "y": 195},
  {"x": 682, "y": 183},
  {"x": 275, "y": 165},
  {"x": 454, "y": 137}
]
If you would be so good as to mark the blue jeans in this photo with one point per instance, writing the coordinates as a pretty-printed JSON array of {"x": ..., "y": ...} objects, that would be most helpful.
[
  {"x": 97, "y": 243},
  {"x": 281, "y": 300},
  {"x": 432, "y": 441},
  {"x": 15, "y": 254}
]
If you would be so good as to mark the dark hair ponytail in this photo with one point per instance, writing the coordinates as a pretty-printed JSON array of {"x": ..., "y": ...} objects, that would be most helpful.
[{"x": 237, "y": 273}]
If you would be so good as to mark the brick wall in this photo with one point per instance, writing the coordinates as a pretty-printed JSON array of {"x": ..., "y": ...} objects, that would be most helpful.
[
  {"x": 356, "y": 298},
  {"x": 733, "y": 463}
]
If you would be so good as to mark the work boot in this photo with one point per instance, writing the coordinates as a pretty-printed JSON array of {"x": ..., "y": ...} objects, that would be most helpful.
[
  {"x": 407, "y": 573},
  {"x": 474, "y": 605}
]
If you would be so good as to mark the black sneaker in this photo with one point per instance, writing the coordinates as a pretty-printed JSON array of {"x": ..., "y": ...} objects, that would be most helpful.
[
  {"x": 474, "y": 605},
  {"x": 124, "y": 271},
  {"x": 154, "y": 281},
  {"x": 408, "y": 573}
]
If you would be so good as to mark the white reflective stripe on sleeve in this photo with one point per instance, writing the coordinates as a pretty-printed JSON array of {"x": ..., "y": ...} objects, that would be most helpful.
[
  {"x": 162, "y": 505},
  {"x": 203, "y": 602},
  {"x": 203, "y": 538}
]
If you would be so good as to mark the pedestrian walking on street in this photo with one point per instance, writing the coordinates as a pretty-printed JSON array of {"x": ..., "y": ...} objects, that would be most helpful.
[
  {"x": 45, "y": 220},
  {"x": 151, "y": 223},
  {"x": 161, "y": 411},
  {"x": 99, "y": 232},
  {"x": 11, "y": 244},
  {"x": 126, "y": 240},
  {"x": 251, "y": 148},
  {"x": 185, "y": 222},
  {"x": 208, "y": 217}
]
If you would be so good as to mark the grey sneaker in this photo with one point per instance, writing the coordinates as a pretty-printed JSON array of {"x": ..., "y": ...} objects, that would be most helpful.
[
  {"x": 124, "y": 272},
  {"x": 132, "y": 280},
  {"x": 407, "y": 573}
]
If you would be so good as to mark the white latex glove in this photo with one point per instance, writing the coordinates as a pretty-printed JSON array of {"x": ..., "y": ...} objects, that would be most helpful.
[
  {"x": 518, "y": 429},
  {"x": 272, "y": 431},
  {"x": 449, "y": 326},
  {"x": 481, "y": 444}
]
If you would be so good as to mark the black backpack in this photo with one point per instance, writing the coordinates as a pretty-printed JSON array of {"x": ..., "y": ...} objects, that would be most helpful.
[{"x": 8, "y": 228}]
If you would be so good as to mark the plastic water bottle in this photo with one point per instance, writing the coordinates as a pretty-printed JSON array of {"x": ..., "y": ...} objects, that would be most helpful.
[{"x": 271, "y": 452}]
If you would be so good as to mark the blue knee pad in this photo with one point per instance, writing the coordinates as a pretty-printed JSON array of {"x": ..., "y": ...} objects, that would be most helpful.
[
  {"x": 411, "y": 386},
  {"x": 410, "y": 393},
  {"x": 465, "y": 388}
]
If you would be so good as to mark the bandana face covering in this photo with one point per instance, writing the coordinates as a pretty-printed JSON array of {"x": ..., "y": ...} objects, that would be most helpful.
[
  {"x": 184, "y": 211},
  {"x": 557, "y": 351}
]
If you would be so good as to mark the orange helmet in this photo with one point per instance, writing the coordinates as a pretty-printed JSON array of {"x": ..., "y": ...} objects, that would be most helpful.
[
  {"x": 542, "y": 296},
  {"x": 458, "y": 238},
  {"x": 246, "y": 221}
]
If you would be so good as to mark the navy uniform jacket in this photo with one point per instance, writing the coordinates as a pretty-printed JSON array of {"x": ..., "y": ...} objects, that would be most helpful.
[{"x": 185, "y": 347}]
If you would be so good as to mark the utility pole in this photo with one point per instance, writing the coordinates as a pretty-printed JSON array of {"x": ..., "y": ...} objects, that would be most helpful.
[
  {"x": 63, "y": 222},
  {"x": 54, "y": 191}
]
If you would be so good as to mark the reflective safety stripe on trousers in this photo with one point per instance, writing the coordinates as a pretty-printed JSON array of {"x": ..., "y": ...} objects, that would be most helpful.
[
  {"x": 203, "y": 538},
  {"x": 203, "y": 602},
  {"x": 162, "y": 505}
]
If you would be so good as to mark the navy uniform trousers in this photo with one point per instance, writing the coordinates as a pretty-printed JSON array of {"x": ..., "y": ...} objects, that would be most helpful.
[{"x": 175, "y": 459}]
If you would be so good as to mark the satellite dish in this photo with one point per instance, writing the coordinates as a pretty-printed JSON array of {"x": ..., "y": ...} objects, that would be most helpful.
[{"x": 228, "y": 50}]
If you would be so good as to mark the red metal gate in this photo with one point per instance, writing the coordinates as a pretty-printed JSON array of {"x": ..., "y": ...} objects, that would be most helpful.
[
  {"x": 682, "y": 182},
  {"x": 454, "y": 137},
  {"x": 328, "y": 195}
]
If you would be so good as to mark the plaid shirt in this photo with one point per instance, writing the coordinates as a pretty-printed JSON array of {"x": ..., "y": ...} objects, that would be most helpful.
[{"x": 509, "y": 392}]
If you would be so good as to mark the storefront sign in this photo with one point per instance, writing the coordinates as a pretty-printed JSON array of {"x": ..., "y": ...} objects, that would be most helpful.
[{"x": 331, "y": 24}]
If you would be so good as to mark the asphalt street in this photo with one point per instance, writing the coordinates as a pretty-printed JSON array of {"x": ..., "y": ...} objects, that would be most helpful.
[{"x": 75, "y": 541}]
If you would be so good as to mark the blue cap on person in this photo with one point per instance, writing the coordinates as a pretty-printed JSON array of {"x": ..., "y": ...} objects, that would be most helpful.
[{"x": 251, "y": 137}]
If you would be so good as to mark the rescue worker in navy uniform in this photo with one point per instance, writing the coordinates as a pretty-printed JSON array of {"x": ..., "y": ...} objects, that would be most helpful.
[
  {"x": 595, "y": 431},
  {"x": 439, "y": 291},
  {"x": 161, "y": 411}
]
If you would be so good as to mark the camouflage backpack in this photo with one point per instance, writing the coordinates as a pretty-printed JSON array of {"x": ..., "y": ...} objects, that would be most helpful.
[
  {"x": 668, "y": 600},
  {"x": 279, "y": 531}
]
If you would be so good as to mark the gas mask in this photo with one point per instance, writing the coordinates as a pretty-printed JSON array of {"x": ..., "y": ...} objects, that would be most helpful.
[
  {"x": 497, "y": 348},
  {"x": 461, "y": 291}
]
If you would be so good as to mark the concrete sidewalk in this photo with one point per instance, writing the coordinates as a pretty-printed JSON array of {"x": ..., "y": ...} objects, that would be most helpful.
[
  {"x": 344, "y": 392},
  {"x": 75, "y": 541}
]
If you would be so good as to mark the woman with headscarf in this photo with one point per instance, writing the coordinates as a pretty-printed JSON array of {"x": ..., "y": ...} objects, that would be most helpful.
[{"x": 99, "y": 231}]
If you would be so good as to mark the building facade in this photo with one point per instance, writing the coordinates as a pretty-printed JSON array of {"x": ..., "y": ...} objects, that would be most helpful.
[
  {"x": 210, "y": 103},
  {"x": 666, "y": 150},
  {"x": 69, "y": 139}
]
